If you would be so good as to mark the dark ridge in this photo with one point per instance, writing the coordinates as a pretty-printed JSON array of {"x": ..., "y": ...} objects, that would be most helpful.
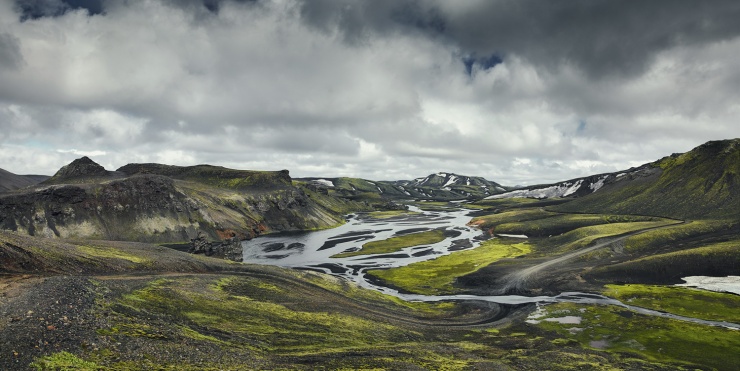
[{"x": 80, "y": 168}]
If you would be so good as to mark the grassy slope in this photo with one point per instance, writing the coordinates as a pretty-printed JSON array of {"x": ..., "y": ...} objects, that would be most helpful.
[
  {"x": 687, "y": 302},
  {"x": 701, "y": 183},
  {"x": 627, "y": 333}
]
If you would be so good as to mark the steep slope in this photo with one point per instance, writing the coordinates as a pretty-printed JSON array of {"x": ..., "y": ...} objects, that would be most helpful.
[
  {"x": 137, "y": 204},
  {"x": 701, "y": 183},
  {"x": 10, "y": 181}
]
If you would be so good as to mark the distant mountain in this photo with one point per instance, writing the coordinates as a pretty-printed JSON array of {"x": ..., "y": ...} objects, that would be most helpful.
[
  {"x": 449, "y": 186},
  {"x": 10, "y": 181},
  {"x": 436, "y": 187},
  {"x": 704, "y": 182}
]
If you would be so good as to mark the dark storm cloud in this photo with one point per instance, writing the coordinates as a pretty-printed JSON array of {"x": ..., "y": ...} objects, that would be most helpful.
[
  {"x": 599, "y": 37},
  {"x": 34, "y": 9},
  {"x": 359, "y": 20},
  {"x": 516, "y": 91}
]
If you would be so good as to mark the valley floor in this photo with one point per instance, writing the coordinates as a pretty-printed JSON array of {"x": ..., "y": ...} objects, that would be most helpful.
[{"x": 93, "y": 305}]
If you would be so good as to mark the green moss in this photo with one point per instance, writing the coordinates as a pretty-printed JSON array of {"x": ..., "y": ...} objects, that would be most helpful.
[
  {"x": 372, "y": 297},
  {"x": 64, "y": 361},
  {"x": 389, "y": 214},
  {"x": 682, "y": 301},
  {"x": 252, "y": 320},
  {"x": 658, "y": 339},
  {"x": 520, "y": 215},
  {"x": 111, "y": 253},
  {"x": 195, "y": 335},
  {"x": 394, "y": 244},
  {"x": 433, "y": 277}
]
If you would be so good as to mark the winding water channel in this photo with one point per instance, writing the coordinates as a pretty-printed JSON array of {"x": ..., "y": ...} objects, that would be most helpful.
[{"x": 313, "y": 251}]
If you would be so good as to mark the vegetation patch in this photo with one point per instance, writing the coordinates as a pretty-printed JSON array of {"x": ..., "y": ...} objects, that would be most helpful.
[
  {"x": 687, "y": 302},
  {"x": 250, "y": 320},
  {"x": 622, "y": 331},
  {"x": 111, "y": 253},
  {"x": 64, "y": 361},
  {"x": 389, "y": 214},
  {"x": 351, "y": 290},
  {"x": 437, "y": 276},
  {"x": 394, "y": 244},
  {"x": 519, "y": 215}
]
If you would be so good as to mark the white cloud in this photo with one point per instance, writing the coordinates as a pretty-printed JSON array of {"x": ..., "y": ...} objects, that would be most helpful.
[{"x": 264, "y": 86}]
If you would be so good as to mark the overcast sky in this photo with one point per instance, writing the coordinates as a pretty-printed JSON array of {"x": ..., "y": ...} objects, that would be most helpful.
[{"x": 519, "y": 92}]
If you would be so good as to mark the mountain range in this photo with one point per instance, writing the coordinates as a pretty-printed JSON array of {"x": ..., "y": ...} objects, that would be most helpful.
[{"x": 165, "y": 203}]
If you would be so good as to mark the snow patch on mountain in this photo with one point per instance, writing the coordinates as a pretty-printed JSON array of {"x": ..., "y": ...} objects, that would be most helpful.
[
  {"x": 325, "y": 182},
  {"x": 557, "y": 190}
]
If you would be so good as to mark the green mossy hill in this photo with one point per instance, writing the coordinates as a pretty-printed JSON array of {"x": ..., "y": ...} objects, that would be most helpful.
[
  {"x": 161, "y": 203},
  {"x": 537, "y": 222},
  {"x": 215, "y": 175},
  {"x": 701, "y": 183}
]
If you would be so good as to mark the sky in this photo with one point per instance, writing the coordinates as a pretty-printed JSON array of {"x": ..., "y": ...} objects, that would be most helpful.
[{"x": 517, "y": 91}]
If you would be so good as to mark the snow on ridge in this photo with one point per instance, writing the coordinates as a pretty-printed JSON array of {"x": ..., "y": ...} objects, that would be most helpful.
[
  {"x": 379, "y": 190},
  {"x": 325, "y": 182},
  {"x": 450, "y": 181},
  {"x": 573, "y": 189},
  {"x": 596, "y": 186},
  {"x": 558, "y": 190}
]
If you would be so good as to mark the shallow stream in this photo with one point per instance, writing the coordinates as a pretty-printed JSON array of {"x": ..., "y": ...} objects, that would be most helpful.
[{"x": 314, "y": 251}]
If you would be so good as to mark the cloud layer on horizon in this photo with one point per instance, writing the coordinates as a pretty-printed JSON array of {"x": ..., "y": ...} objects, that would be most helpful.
[{"x": 516, "y": 91}]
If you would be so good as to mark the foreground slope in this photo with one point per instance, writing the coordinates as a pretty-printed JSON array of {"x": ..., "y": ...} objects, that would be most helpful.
[{"x": 130, "y": 306}]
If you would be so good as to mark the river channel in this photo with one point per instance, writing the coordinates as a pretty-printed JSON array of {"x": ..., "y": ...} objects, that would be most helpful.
[{"x": 314, "y": 251}]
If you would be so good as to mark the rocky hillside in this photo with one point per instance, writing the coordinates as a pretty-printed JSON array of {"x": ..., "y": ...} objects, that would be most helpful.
[
  {"x": 160, "y": 203},
  {"x": 704, "y": 182},
  {"x": 436, "y": 187},
  {"x": 10, "y": 181}
]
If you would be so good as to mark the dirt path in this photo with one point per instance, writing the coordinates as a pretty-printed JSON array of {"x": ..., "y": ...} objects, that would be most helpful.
[{"x": 519, "y": 280}]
